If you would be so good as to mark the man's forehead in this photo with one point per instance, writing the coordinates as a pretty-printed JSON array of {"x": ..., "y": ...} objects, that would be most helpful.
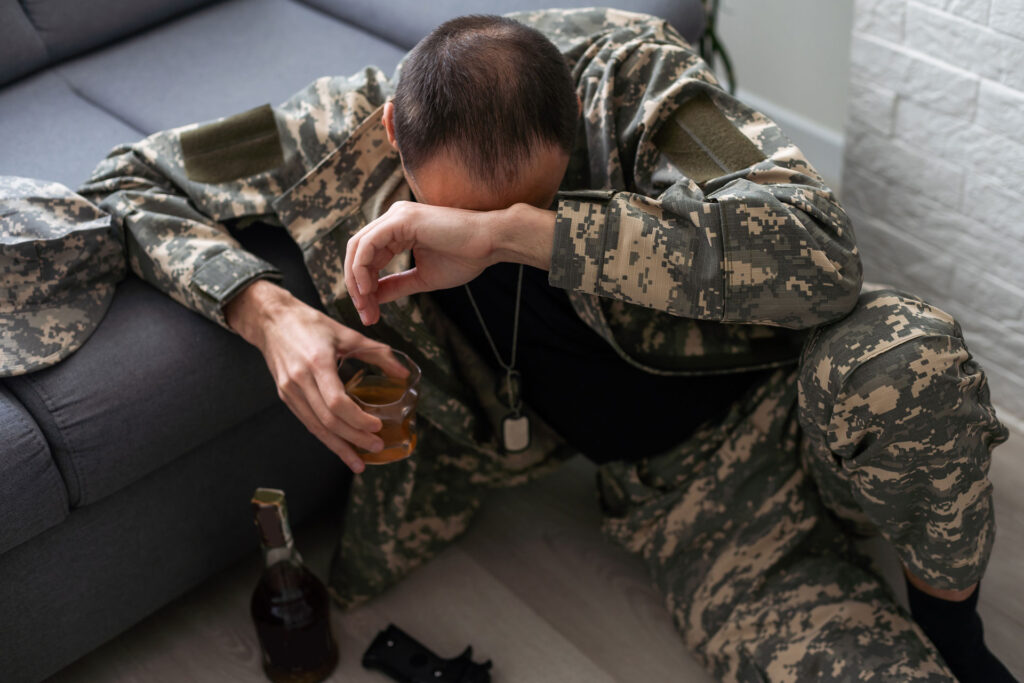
[{"x": 444, "y": 181}]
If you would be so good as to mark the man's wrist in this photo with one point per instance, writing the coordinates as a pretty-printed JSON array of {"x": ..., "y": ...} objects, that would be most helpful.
[
  {"x": 524, "y": 235},
  {"x": 248, "y": 311}
]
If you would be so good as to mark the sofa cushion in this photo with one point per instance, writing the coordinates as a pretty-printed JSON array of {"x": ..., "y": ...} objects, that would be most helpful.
[
  {"x": 221, "y": 60},
  {"x": 51, "y": 133},
  {"x": 154, "y": 381},
  {"x": 109, "y": 565},
  {"x": 21, "y": 48},
  {"x": 32, "y": 493},
  {"x": 404, "y": 22},
  {"x": 70, "y": 27}
]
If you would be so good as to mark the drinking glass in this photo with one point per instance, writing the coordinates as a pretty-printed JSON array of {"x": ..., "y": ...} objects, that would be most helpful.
[{"x": 385, "y": 383}]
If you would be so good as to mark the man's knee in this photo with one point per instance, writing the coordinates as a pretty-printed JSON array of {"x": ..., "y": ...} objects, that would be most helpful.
[
  {"x": 895, "y": 368},
  {"x": 890, "y": 344},
  {"x": 901, "y": 421}
]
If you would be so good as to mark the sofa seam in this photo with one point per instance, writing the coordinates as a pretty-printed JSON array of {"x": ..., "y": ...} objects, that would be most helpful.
[
  {"x": 366, "y": 29},
  {"x": 79, "y": 481},
  {"x": 47, "y": 56},
  {"x": 28, "y": 15},
  {"x": 32, "y": 23},
  {"x": 69, "y": 472},
  {"x": 39, "y": 440},
  {"x": 94, "y": 103}
]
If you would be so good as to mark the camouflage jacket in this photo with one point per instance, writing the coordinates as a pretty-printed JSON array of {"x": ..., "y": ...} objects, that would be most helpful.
[{"x": 690, "y": 233}]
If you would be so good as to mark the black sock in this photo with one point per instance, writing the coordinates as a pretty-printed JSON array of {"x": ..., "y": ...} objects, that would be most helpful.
[{"x": 956, "y": 631}]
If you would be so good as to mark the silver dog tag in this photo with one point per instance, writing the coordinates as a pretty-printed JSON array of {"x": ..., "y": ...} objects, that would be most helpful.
[{"x": 515, "y": 433}]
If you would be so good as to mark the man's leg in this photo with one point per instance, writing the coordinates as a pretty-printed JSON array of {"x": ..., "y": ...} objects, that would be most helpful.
[
  {"x": 761, "y": 582},
  {"x": 898, "y": 430},
  {"x": 398, "y": 516}
]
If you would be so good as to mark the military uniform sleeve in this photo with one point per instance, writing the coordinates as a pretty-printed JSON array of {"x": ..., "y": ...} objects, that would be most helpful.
[
  {"x": 704, "y": 209},
  {"x": 172, "y": 208},
  {"x": 173, "y": 193},
  {"x": 170, "y": 243}
]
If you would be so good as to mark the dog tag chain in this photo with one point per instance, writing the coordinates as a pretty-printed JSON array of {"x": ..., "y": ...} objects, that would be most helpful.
[{"x": 515, "y": 426}]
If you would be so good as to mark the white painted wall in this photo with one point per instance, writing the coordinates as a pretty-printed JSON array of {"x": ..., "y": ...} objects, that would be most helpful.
[
  {"x": 791, "y": 59},
  {"x": 927, "y": 98},
  {"x": 934, "y": 172}
]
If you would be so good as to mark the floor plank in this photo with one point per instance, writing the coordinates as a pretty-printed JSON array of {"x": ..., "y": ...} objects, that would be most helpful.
[
  {"x": 533, "y": 586},
  {"x": 1001, "y": 604},
  {"x": 548, "y": 548},
  {"x": 457, "y": 602}
]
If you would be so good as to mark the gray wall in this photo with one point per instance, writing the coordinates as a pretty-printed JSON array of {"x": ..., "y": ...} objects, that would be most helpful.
[
  {"x": 933, "y": 174},
  {"x": 793, "y": 53},
  {"x": 791, "y": 59}
]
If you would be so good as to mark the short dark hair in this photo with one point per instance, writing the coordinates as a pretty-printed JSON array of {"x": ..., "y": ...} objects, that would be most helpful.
[{"x": 486, "y": 89}]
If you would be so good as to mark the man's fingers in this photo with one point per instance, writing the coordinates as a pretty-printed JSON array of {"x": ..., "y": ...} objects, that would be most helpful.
[
  {"x": 370, "y": 250},
  {"x": 383, "y": 357},
  {"x": 397, "y": 285},
  {"x": 357, "y": 243},
  {"x": 360, "y": 283},
  {"x": 339, "y": 425},
  {"x": 376, "y": 249},
  {"x": 368, "y": 309},
  {"x": 349, "y": 341},
  {"x": 350, "y": 251},
  {"x": 337, "y": 409},
  {"x": 300, "y": 408}
]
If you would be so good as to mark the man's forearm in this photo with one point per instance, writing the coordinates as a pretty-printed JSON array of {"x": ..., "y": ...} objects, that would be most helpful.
[
  {"x": 525, "y": 235},
  {"x": 247, "y": 312}
]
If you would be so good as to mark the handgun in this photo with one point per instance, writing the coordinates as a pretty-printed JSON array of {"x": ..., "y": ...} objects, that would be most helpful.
[{"x": 397, "y": 654}]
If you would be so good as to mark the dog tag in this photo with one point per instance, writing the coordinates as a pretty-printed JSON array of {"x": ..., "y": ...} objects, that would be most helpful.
[{"x": 515, "y": 433}]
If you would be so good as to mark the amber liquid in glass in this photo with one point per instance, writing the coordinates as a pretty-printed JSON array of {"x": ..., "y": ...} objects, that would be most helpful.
[{"x": 379, "y": 396}]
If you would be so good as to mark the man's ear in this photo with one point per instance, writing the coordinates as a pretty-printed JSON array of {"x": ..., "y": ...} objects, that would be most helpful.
[
  {"x": 579, "y": 106},
  {"x": 389, "y": 122}
]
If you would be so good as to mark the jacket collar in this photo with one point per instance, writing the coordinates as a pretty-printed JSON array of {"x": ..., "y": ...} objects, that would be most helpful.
[{"x": 341, "y": 183}]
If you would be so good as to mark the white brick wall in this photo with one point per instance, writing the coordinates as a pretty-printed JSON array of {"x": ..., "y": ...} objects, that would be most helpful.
[{"x": 934, "y": 166}]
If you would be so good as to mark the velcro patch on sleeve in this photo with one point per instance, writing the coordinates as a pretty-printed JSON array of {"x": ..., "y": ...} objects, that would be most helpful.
[
  {"x": 236, "y": 147},
  {"x": 703, "y": 143}
]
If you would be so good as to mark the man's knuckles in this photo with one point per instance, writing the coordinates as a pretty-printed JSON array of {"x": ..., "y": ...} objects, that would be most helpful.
[
  {"x": 337, "y": 404},
  {"x": 288, "y": 384}
]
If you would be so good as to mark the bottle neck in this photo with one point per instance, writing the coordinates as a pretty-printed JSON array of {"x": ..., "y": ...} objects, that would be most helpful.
[
  {"x": 281, "y": 553},
  {"x": 275, "y": 534}
]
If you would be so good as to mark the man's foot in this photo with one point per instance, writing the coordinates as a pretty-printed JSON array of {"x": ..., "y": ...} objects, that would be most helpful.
[{"x": 954, "y": 627}]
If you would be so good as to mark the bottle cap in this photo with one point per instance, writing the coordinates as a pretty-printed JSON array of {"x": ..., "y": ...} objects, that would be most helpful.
[{"x": 271, "y": 515}]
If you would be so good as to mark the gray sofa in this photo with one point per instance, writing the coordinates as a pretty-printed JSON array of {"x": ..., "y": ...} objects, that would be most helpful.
[{"x": 125, "y": 471}]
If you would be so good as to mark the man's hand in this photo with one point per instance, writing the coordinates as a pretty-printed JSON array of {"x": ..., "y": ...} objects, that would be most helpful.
[
  {"x": 450, "y": 247},
  {"x": 302, "y": 346}
]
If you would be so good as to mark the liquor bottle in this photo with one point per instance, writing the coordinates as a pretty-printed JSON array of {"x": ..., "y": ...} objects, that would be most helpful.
[{"x": 290, "y": 606}]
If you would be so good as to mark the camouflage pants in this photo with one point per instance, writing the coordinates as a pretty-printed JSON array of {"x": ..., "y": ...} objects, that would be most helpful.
[{"x": 885, "y": 424}]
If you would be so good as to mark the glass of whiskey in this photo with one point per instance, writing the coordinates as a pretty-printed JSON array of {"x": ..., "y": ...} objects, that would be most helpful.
[{"x": 385, "y": 383}]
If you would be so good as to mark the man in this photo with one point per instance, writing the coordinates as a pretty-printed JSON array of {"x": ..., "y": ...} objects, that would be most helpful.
[{"x": 698, "y": 332}]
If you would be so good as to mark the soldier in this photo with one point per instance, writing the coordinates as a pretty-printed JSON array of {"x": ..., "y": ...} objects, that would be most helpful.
[{"x": 566, "y": 200}]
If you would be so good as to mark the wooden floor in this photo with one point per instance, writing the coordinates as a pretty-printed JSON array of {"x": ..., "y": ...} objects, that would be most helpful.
[{"x": 532, "y": 586}]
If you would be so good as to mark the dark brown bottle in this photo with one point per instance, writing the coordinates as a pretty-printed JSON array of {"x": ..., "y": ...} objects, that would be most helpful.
[{"x": 290, "y": 606}]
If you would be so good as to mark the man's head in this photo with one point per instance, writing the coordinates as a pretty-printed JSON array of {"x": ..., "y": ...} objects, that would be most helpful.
[{"x": 484, "y": 115}]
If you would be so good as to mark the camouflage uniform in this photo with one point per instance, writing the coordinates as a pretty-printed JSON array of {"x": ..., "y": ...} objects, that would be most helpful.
[
  {"x": 60, "y": 259},
  {"x": 695, "y": 238}
]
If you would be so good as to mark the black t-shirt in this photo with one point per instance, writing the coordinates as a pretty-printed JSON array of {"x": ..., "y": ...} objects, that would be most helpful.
[{"x": 598, "y": 402}]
